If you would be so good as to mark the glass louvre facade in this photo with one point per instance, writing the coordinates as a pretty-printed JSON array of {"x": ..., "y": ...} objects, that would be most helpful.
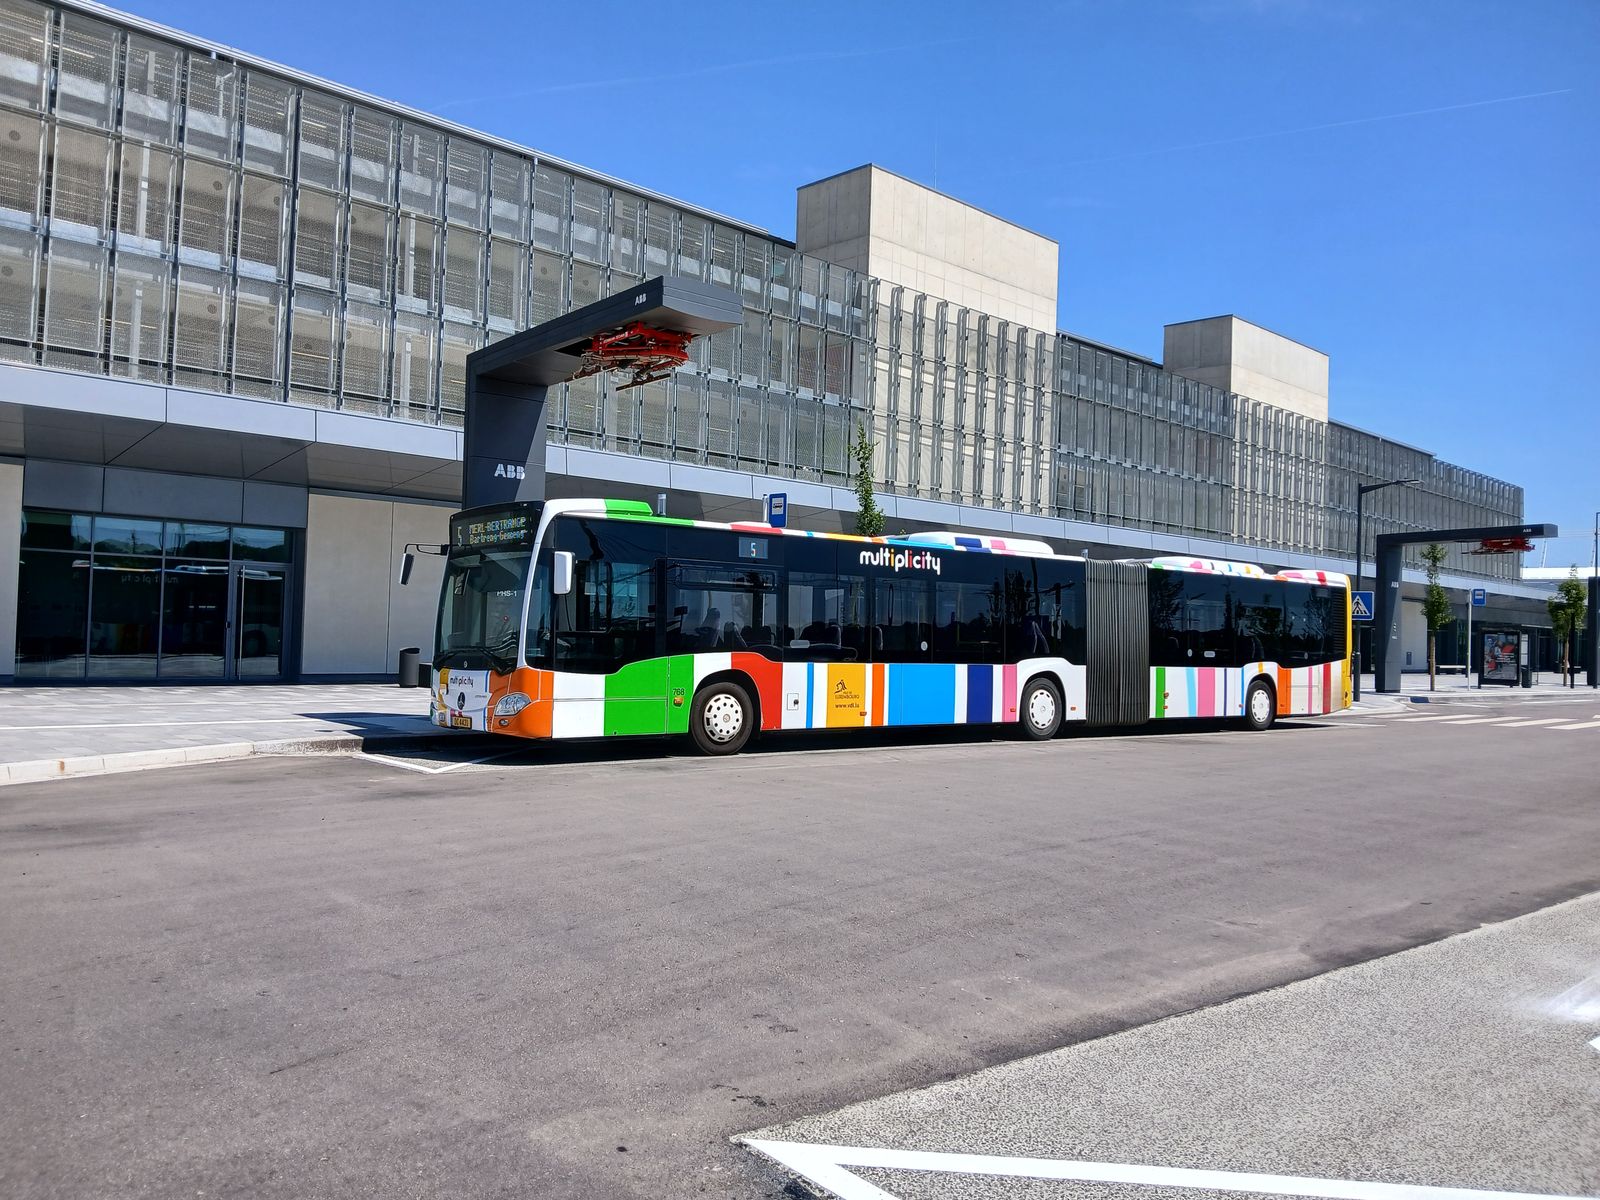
[{"x": 170, "y": 215}]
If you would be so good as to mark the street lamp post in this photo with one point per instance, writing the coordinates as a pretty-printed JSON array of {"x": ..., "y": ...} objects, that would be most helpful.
[{"x": 1361, "y": 496}]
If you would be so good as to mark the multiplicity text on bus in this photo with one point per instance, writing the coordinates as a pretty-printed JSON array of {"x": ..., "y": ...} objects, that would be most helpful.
[{"x": 597, "y": 618}]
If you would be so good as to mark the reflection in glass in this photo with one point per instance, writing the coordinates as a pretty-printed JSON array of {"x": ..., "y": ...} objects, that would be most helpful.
[
  {"x": 124, "y": 617},
  {"x": 260, "y": 622},
  {"x": 197, "y": 541},
  {"x": 52, "y": 614},
  {"x": 54, "y": 531},
  {"x": 127, "y": 535},
  {"x": 194, "y": 619},
  {"x": 267, "y": 545}
]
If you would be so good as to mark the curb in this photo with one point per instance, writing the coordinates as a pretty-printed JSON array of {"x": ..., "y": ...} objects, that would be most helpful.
[{"x": 43, "y": 769}]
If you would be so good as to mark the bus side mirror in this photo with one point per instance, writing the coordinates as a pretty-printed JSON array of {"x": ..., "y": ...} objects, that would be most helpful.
[
  {"x": 561, "y": 575},
  {"x": 407, "y": 561}
]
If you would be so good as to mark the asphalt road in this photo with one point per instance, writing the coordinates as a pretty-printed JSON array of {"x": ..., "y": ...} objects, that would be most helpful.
[
  {"x": 579, "y": 972},
  {"x": 1470, "y": 1062}
]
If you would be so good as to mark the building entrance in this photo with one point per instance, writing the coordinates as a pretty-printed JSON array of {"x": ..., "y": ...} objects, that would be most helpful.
[{"x": 127, "y": 599}]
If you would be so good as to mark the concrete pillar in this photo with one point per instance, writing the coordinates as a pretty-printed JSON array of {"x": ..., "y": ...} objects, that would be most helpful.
[
  {"x": 503, "y": 442},
  {"x": 10, "y": 555},
  {"x": 1386, "y": 648}
]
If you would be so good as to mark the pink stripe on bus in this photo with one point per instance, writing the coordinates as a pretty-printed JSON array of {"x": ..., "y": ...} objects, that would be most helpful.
[{"x": 1008, "y": 693}]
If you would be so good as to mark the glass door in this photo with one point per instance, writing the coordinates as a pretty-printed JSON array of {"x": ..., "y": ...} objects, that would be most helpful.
[{"x": 259, "y": 594}]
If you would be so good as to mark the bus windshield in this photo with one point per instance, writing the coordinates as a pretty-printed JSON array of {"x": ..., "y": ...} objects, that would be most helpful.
[{"x": 480, "y": 613}]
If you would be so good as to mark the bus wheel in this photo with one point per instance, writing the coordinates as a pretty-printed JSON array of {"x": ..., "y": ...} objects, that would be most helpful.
[
  {"x": 722, "y": 719},
  {"x": 1260, "y": 706},
  {"x": 1039, "y": 714}
]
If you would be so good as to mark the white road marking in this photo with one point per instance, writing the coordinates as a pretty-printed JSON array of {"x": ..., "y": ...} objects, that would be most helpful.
[
  {"x": 1596, "y": 1043},
  {"x": 156, "y": 724},
  {"x": 1451, "y": 717},
  {"x": 1539, "y": 721},
  {"x": 1481, "y": 720},
  {"x": 1592, "y": 723},
  {"x": 827, "y": 1167},
  {"x": 424, "y": 769}
]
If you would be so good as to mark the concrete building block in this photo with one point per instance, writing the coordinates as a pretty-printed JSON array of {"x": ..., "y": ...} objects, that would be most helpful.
[
  {"x": 924, "y": 240},
  {"x": 714, "y": 480},
  {"x": 161, "y": 494},
  {"x": 10, "y": 548},
  {"x": 78, "y": 487},
  {"x": 274, "y": 504},
  {"x": 1238, "y": 356},
  {"x": 71, "y": 392},
  {"x": 413, "y": 609},
  {"x": 348, "y": 568},
  {"x": 267, "y": 418}
]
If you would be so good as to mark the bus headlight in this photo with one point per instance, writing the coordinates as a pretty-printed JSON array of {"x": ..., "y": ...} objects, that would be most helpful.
[{"x": 510, "y": 705}]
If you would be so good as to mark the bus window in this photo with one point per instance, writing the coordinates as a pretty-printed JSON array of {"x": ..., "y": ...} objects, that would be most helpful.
[
  {"x": 902, "y": 629},
  {"x": 609, "y": 618},
  {"x": 968, "y": 623},
  {"x": 717, "y": 607},
  {"x": 1043, "y": 611},
  {"x": 1315, "y": 626},
  {"x": 827, "y": 618}
]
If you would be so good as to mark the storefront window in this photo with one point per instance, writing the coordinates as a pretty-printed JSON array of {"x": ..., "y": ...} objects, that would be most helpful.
[
  {"x": 52, "y": 609},
  {"x": 129, "y": 598}
]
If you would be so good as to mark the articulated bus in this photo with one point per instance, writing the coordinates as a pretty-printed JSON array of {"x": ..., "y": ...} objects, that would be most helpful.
[{"x": 597, "y": 618}]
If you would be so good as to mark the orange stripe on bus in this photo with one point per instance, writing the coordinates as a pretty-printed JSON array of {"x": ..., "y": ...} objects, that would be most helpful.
[{"x": 1285, "y": 691}]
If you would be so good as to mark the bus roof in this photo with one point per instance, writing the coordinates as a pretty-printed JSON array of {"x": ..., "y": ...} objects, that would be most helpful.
[
  {"x": 1214, "y": 566},
  {"x": 638, "y": 510}
]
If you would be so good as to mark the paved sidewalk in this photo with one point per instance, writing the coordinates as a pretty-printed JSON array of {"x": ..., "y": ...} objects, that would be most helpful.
[
  {"x": 1547, "y": 683},
  {"x": 51, "y": 732}
]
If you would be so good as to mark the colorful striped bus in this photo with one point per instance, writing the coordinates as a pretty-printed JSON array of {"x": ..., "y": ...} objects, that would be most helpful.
[{"x": 597, "y": 618}]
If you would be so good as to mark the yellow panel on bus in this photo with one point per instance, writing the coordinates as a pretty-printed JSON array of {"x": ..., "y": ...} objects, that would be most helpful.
[{"x": 847, "y": 695}]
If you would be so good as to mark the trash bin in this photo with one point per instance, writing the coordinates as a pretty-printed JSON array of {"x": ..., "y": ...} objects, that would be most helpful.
[
  {"x": 410, "y": 657},
  {"x": 1527, "y": 676}
]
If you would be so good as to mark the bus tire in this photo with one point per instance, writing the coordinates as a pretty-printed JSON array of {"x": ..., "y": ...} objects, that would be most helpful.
[
  {"x": 1260, "y": 706},
  {"x": 721, "y": 719},
  {"x": 1039, "y": 712}
]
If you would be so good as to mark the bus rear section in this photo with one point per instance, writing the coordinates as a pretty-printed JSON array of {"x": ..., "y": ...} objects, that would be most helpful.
[{"x": 1227, "y": 640}]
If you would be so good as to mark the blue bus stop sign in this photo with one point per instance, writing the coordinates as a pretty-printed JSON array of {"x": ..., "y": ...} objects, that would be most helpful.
[
  {"x": 1361, "y": 606},
  {"x": 778, "y": 510},
  {"x": 1480, "y": 597}
]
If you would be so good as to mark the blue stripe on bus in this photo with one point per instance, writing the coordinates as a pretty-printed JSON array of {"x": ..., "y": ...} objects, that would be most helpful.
[
  {"x": 920, "y": 693},
  {"x": 811, "y": 690},
  {"x": 980, "y": 694}
]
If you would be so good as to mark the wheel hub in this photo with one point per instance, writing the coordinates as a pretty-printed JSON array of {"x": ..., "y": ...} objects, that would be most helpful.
[
  {"x": 723, "y": 718},
  {"x": 1041, "y": 709}
]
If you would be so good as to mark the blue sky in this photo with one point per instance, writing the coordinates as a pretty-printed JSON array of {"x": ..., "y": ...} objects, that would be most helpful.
[{"x": 1412, "y": 188}]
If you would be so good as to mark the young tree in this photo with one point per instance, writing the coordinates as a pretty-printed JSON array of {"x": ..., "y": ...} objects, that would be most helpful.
[
  {"x": 1568, "y": 608},
  {"x": 1436, "y": 608},
  {"x": 869, "y": 517}
]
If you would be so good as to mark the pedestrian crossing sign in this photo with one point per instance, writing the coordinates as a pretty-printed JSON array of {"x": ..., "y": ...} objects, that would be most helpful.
[{"x": 1361, "y": 606}]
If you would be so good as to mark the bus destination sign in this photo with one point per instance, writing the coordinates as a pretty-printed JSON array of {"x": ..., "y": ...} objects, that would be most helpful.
[{"x": 494, "y": 528}]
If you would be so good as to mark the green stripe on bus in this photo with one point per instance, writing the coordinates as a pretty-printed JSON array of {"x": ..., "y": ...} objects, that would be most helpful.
[
  {"x": 639, "y": 696},
  {"x": 636, "y": 698},
  {"x": 1161, "y": 691},
  {"x": 628, "y": 508}
]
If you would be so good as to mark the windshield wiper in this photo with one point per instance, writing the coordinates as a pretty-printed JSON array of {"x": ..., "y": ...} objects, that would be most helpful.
[{"x": 500, "y": 661}]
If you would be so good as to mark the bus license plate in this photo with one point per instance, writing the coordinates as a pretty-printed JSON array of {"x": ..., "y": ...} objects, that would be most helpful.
[{"x": 461, "y": 722}]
